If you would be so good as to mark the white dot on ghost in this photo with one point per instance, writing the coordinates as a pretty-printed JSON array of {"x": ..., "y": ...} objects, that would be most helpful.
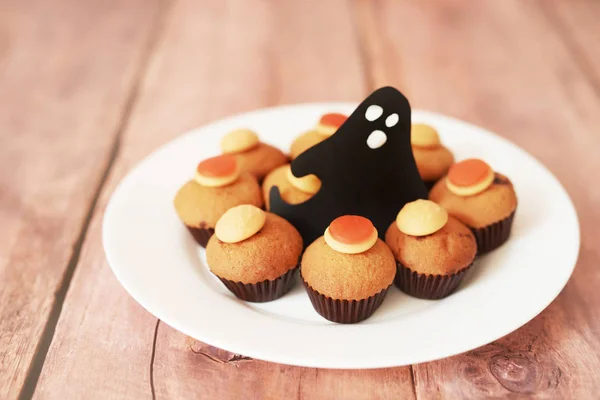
[
  {"x": 392, "y": 120},
  {"x": 376, "y": 139},
  {"x": 373, "y": 112}
]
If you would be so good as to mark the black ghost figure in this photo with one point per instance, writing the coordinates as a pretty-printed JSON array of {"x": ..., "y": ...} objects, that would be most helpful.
[{"x": 367, "y": 168}]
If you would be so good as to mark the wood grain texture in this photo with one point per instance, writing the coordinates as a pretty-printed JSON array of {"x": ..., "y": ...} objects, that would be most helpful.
[
  {"x": 213, "y": 59},
  {"x": 66, "y": 73},
  {"x": 216, "y": 374},
  {"x": 504, "y": 66},
  {"x": 577, "y": 23}
]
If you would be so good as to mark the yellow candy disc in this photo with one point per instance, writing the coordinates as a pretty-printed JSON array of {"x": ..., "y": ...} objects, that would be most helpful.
[
  {"x": 423, "y": 135},
  {"x": 421, "y": 218},
  {"x": 215, "y": 181},
  {"x": 308, "y": 184},
  {"x": 239, "y": 141},
  {"x": 240, "y": 223}
]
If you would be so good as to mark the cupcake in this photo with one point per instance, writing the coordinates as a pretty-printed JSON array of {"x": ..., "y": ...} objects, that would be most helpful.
[
  {"x": 254, "y": 253},
  {"x": 483, "y": 200},
  {"x": 217, "y": 186},
  {"x": 432, "y": 250},
  {"x": 293, "y": 190},
  {"x": 327, "y": 126},
  {"x": 253, "y": 156},
  {"x": 432, "y": 158},
  {"x": 348, "y": 271}
]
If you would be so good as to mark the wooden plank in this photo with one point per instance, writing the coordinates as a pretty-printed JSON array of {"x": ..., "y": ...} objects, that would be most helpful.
[
  {"x": 66, "y": 73},
  {"x": 577, "y": 23},
  {"x": 504, "y": 66},
  {"x": 214, "y": 59},
  {"x": 216, "y": 374}
]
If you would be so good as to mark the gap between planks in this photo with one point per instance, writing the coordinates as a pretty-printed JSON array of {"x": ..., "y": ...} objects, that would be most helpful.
[
  {"x": 41, "y": 352},
  {"x": 152, "y": 357}
]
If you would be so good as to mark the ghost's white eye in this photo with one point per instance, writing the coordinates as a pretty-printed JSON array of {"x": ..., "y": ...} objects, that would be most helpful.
[
  {"x": 373, "y": 112},
  {"x": 392, "y": 120},
  {"x": 376, "y": 139}
]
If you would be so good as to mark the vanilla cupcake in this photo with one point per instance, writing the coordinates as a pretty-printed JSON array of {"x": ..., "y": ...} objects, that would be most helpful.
[
  {"x": 433, "y": 251},
  {"x": 254, "y": 253},
  {"x": 432, "y": 158},
  {"x": 293, "y": 190},
  {"x": 327, "y": 126},
  {"x": 348, "y": 271},
  {"x": 482, "y": 199},
  {"x": 253, "y": 156},
  {"x": 217, "y": 186}
]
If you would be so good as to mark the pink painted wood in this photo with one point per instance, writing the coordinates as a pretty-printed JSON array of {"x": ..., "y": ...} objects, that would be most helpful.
[{"x": 90, "y": 88}]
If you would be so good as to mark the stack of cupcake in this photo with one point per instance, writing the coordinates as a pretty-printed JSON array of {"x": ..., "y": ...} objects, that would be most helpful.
[{"x": 347, "y": 271}]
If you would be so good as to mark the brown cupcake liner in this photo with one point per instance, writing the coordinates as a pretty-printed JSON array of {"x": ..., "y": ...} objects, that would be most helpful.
[
  {"x": 344, "y": 311},
  {"x": 201, "y": 234},
  {"x": 425, "y": 286},
  {"x": 262, "y": 291},
  {"x": 493, "y": 236}
]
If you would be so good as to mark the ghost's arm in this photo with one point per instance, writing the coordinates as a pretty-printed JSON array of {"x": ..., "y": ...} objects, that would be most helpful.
[
  {"x": 312, "y": 161},
  {"x": 275, "y": 200}
]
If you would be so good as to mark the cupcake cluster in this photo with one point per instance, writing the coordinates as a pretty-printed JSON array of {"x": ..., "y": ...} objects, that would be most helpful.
[{"x": 425, "y": 252}]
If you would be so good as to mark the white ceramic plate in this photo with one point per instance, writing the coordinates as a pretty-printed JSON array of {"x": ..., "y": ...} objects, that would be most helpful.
[{"x": 159, "y": 264}]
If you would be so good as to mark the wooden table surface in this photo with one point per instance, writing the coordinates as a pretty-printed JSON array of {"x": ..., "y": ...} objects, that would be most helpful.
[{"x": 89, "y": 88}]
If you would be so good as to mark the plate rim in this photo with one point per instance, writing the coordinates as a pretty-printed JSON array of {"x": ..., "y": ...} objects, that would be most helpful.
[{"x": 284, "y": 108}]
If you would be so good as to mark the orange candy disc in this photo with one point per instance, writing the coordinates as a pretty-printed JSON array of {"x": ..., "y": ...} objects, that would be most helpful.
[
  {"x": 333, "y": 119},
  {"x": 218, "y": 167},
  {"x": 329, "y": 123},
  {"x": 469, "y": 172},
  {"x": 351, "y": 229},
  {"x": 351, "y": 234},
  {"x": 469, "y": 177},
  {"x": 217, "y": 171}
]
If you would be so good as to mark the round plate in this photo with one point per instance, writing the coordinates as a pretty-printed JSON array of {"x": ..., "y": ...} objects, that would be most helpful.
[{"x": 159, "y": 264}]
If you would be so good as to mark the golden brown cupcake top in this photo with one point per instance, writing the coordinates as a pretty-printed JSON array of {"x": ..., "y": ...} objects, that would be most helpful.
[
  {"x": 494, "y": 197},
  {"x": 261, "y": 159},
  {"x": 444, "y": 252},
  {"x": 433, "y": 163},
  {"x": 432, "y": 158},
  {"x": 290, "y": 193},
  {"x": 268, "y": 254},
  {"x": 305, "y": 142},
  {"x": 198, "y": 205},
  {"x": 348, "y": 276}
]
